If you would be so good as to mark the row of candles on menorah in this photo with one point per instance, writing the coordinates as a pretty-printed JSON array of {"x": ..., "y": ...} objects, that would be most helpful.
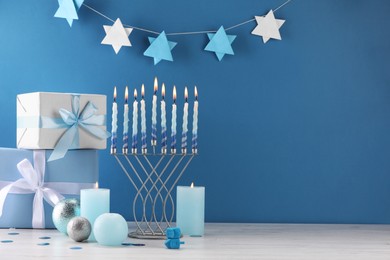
[{"x": 163, "y": 141}]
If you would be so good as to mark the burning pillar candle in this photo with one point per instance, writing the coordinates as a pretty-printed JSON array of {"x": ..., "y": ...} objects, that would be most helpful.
[
  {"x": 114, "y": 125},
  {"x": 173, "y": 123},
  {"x": 185, "y": 123},
  {"x": 135, "y": 124},
  {"x": 143, "y": 121},
  {"x": 163, "y": 122},
  {"x": 126, "y": 123},
  {"x": 195, "y": 125},
  {"x": 154, "y": 114},
  {"x": 190, "y": 210}
]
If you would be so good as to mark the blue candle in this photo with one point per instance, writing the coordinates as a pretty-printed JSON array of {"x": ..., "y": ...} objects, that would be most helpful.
[
  {"x": 143, "y": 121},
  {"x": 114, "y": 124},
  {"x": 154, "y": 114},
  {"x": 195, "y": 124},
  {"x": 185, "y": 123},
  {"x": 126, "y": 123},
  {"x": 135, "y": 124},
  {"x": 93, "y": 203},
  {"x": 173, "y": 123},
  {"x": 190, "y": 210},
  {"x": 163, "y": 122}
]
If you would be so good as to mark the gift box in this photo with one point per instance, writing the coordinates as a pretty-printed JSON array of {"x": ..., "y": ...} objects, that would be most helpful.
[
  {"x": 30, "y": 186},
  {"x": 61, "y": 121}
]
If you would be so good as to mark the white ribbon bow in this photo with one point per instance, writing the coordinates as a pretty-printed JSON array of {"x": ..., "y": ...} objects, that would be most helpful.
[{"x": 33, "y": 181}]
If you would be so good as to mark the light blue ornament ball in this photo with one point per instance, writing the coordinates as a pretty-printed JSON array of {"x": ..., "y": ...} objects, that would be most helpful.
[
  {"x": 110, "y": 229},
  {"x": 63, "y": 212}
]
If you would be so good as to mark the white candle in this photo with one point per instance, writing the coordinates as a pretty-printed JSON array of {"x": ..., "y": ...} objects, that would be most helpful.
[
  {"x": 173, "y": 123},
  {"x": 195, "y": 124},
  {"x": 163, "y": 122},
  {"x": 190, "y": 202},
  {"x": 114, "y": 125},
  {"x": 185, "y": 123},
  {"x": 143, "y": 120},
  {"x": 154, "y": 113},
  {"x": 126, "y": 123},
  {"x": 135, "y": 123}
]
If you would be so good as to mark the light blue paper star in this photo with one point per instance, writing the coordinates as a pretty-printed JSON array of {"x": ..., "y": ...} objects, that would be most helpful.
[
  {"x": 68, "y": 9},
  {"x": 220, "y": 43},
  {"x": 160, "y": 48}
]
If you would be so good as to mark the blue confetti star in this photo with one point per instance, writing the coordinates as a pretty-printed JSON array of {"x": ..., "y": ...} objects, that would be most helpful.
[
  {"x": 160, "y": 48},
  {"x": 68, "y": 10},
  {"x": 220, "y": 43}
]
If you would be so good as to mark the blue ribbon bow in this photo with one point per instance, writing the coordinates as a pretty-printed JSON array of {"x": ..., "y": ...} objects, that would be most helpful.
[{"x": 87, "y": 120}]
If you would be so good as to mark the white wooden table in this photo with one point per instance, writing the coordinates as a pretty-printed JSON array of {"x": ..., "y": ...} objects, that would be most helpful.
[{"x": 221, "y": 241}]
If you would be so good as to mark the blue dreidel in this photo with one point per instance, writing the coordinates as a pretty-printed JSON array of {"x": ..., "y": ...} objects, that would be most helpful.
[
  {"x": 173, "y": 243},
  {"x": 173, "y": 233}
]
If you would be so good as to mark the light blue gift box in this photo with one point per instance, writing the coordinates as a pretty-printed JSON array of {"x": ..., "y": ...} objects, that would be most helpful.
[{"x": 79, "y": 168}]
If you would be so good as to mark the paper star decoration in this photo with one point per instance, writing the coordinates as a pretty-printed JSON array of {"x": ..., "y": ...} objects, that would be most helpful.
[
  {"x": 117, "y": 35},
  {"x": 220, "y": 43},
  {"x": 268, "y": 27},
  {"x": 160, "y": 48},
  {"x": 68, "y": 10}
]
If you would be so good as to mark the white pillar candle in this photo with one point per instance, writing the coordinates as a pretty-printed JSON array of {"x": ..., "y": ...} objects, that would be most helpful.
[
  {"x": 114, "y": 123},
  {"x": 93, "y": 203},
  {"x": 185, "y": 123},
  {"x": 126, "y": 123},
  {"x": 195, "y": 124},
  {"x": 173, "y": 123},
  {"x": 190, "y": 210},
  {"x": 143, "y": 121},
  {"x": 154, "y": 114},
  {"x": 163, "y": 122},
  {"x": 135, "y": 123}
]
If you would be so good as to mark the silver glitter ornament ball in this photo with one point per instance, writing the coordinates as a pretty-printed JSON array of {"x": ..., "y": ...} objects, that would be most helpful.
[
  {"x": 79, "y": 229},
  {"x": 63, "y": 212}
]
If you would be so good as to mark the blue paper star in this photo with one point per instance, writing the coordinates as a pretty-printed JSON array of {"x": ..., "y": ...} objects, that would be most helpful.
[
  {"x": 68, "y": 9},
  {"x": 220, "y": 43},
  {"x": 160, "y": 48}
]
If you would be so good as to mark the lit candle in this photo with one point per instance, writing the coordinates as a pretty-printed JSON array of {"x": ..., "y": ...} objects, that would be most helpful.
[
  {"x": 126, "y": 123},
  {"x": 185, "y": 123},
  {"x": 195, "y": 124},
  {"x": 154, "y": 114},
  {"x": 173, "y": 124},
  {"x": 163, "y": 122},
  {"x": 143, "y": 121},
  {"x": 93, "y": 203},
  {"x": 190, "y": 210},
  {"x": 114, "y": 124},
  {"x": 135, "y": 124}
]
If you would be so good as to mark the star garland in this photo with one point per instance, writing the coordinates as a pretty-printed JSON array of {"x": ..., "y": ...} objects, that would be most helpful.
[{"x": 160, "y": 48}]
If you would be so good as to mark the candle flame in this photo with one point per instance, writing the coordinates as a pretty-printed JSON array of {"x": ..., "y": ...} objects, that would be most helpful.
[
  {"x": 126, "y": 94},
  {"x": 114, "y": 93},
  {"x": 186, "y": 94},
  {"x": 192, "y": 185},
  {"x": 143, "y": 91},
  {"x": 174, "y": 94},
  {"x": 163, "y": 91},
  {"x": 196, "y": 93},
  {"x": 155, "y": 85},
  {"x": 135, "y": 94},
  {"x": 96, "y": 185}
]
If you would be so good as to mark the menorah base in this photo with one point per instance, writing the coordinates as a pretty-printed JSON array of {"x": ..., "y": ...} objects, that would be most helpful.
[{"x": 147, "y": 235}]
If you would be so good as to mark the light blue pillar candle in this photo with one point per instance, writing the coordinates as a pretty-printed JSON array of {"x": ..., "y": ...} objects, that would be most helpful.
[
  {"x": 93, "y": 203},
  {"x": 190, "y": 203}
]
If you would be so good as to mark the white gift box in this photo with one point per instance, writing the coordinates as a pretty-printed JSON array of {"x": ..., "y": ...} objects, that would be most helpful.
[{"x": 40, "y": 125}]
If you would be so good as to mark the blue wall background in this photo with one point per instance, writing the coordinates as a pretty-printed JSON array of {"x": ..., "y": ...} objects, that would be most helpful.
[{"x": 291, "y": 131}]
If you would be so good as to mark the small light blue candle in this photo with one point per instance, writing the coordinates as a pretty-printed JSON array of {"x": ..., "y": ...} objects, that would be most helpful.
[
  {"x": 190, "y": 204},
  {"x": 93, "y": 203}
]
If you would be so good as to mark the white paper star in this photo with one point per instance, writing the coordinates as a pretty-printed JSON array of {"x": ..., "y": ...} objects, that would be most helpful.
[
  {"x": 268, "y": 27},
  {"x": 117, "y": 35}
]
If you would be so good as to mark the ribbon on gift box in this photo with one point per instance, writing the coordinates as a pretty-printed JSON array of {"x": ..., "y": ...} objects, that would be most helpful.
[{"x": 33, "y": 182}]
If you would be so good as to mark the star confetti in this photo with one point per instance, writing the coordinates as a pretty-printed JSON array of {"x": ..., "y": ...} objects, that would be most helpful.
[
  {"x": 160, "y": 48},
  {"x": 117, "y": 35},
  {"x": 268, "y": 27},
  {"x": 220, "y": 43},
  {"x": 68, "y": 9}
]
